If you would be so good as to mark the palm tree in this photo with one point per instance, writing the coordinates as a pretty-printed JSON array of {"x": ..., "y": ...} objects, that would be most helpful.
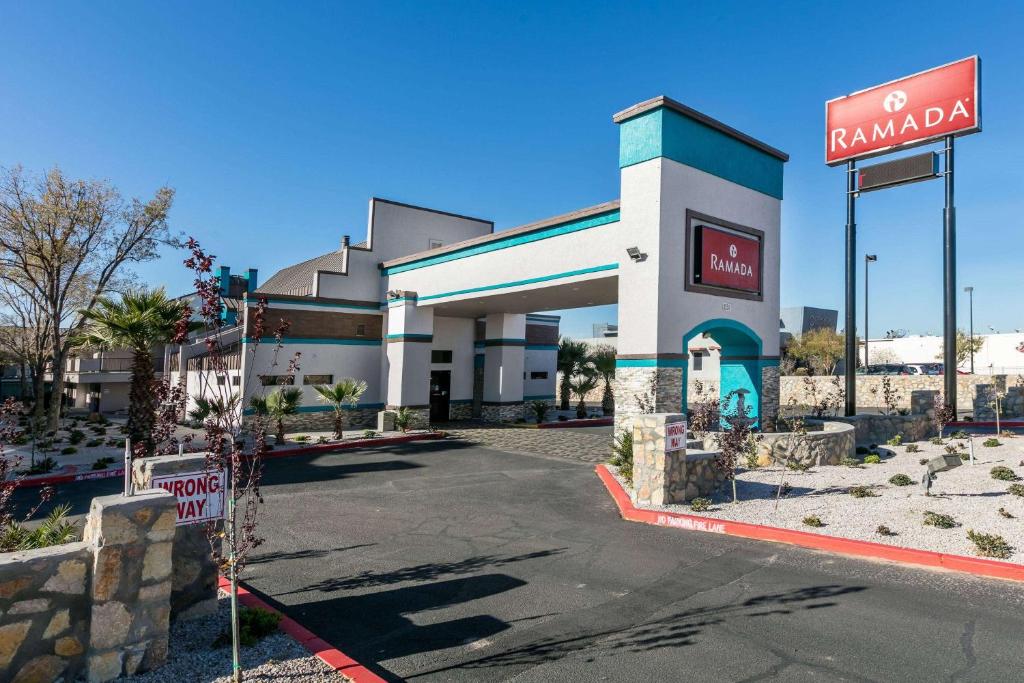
[
  {"x": 278, "y": 405},
  {"x": 603, "y": 360},
  {"x": 572, "y": 355},
  {"x": 142, "y": 319},
  {"x": 346, "y": 392},
  {"x": 219, "y": 408},
  {"x": 581, "y": 385}
]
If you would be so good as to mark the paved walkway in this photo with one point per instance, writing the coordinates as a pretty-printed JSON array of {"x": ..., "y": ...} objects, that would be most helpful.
[{"x": 583, "y": 444}]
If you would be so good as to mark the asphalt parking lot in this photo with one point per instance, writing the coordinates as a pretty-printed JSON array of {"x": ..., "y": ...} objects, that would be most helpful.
[{"x": 447, "y": 562}]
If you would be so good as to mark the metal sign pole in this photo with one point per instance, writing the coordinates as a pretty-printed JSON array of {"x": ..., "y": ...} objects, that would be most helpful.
[
  {"x": 851, "y": 283},
  {"x": 949, "y": 283}
]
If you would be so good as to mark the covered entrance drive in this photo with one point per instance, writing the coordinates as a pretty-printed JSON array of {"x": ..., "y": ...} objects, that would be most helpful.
[{"x": 691, "y": 248}]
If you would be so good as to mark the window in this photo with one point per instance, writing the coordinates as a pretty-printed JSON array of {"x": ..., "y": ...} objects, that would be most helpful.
[
  {"x": 538, "y": 375},
  {"x": 275, "y": 380},
  {"x": 360, "y": 330},
  {"x": 318, "y": 379},
  {"x": 236, "y": 381},
  {"x": 440, "y": 356},
  {"x": 698, "y": 361},
  {"x": 434, "y": 244},
  {"x": 220, "y": 380}
]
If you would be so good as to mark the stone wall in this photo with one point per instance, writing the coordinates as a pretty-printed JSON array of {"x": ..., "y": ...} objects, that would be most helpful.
[
  {"x": 97, "y": 609},
  {"x": 633, "y": 386},
  {"x": 504, "y": 412},
  {"x": 460, "y": 411},
  {"x": 877, "y": 429},
  {"x": 194, "y": 584},
  {"x": 825, "y": 443},
  {"x": 870, "y": 393},
  {"x": 323, "y": 420}
]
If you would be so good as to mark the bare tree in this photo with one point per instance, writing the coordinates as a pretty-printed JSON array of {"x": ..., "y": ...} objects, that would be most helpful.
[
  {"x": 25, "y": 337},
  {"x": 69, "y": 241}
]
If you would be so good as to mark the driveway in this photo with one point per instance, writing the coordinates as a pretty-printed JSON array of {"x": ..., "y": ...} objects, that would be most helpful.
[{"x": 450, "y": 561}]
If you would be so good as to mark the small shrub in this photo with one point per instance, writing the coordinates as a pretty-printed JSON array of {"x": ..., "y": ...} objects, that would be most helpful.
[
  {"x": 849, "y": 462},
  {"x": 321, "y": 439},
  {"x": 1005, "y": 513},
  {"x": 798, "y": 466},
  {"x": 540, "y": 410},
  {"x": 1007, "y": 434},
  {"x": 862, "y": 492},
  {"x": 750, "y": 460},
  {"x": 700, "y": 504},
  {"x": 54, "y": 530},
  {"x": 991, "y": 442},
  {"x": 959, "y": 434},
  {"x": 1016, "y": 490},
  {"x": 883, "y": 530},
  {"x": 862, "y": 450},
  {"x": 21, "y": 439},
  {"x": 101, "y": 463},
  {"x": 302, "y": 438},
  {"x": 900, "y": 480},
  {"x": 622, "y": 455},
  {"x": 939, "y": 521},
  {"x": 990, "y": 545},
  {"x": 76, "y": 436},
  {"x": 1003, "y": 474},
  {"x": 872, "y": 459},
  {"x": 895, "y": 441},
  {"x": 98, "y": 431},
  {"x": 403, "y": 419},
  {"x": 93, "y": 443},
  {"x": 965, "y": 456},
  {"x": 912, "y": 448},
  {"x": 44, "y": 466},
  {"x": 936, "y": 441},
  {"x": 370, "y": 434},
  {"x": 68, "y": 450},
  {"x": 922, "y": 461},
  {"x": 254, "y": 623},
  {"x": 813, "y": 520}
]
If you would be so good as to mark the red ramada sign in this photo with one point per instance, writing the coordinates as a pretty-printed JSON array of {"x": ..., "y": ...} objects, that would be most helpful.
[
  {"x": 200, "y": 495},
  {"x": 904, "y": 113},
  {"x": 728, "y": 259}
]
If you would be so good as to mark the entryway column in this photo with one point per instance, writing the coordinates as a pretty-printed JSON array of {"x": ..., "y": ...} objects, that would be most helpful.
[
  {"x": 410, "y": 332},
  {"x": 504, "y": 347}
]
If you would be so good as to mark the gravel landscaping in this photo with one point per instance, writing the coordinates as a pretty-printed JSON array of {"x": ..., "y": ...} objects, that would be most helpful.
[
  {"x": 968, "y": 494},
  {"x": 192, "y": 658}
]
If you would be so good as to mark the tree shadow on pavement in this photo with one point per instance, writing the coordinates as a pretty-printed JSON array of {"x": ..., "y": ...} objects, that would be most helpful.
[{"x": 264, "y": 558}]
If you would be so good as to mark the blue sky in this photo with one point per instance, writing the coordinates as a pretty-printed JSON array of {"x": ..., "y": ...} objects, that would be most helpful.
[{"x": 276, "y": 122}]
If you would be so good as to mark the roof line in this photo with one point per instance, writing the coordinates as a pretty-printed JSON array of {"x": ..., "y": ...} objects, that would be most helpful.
[
  {"x": 529, "y": 227},
  {"x": 437, "y": 211},
  {"x": 669, "y": 103}
]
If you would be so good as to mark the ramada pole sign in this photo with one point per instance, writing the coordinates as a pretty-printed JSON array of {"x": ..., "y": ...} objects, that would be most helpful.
[{"x": 904, "y": 113}]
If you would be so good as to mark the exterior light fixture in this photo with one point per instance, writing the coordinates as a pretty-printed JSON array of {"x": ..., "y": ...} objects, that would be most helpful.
[{"x": 634, "y": 253}]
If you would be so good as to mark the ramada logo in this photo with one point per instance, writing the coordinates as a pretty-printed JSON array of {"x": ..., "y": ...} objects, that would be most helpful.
[
  {"x": 730, "y": 265},
  {"x": 895, "y": 126},
  {"x": 895, "y": 101}
]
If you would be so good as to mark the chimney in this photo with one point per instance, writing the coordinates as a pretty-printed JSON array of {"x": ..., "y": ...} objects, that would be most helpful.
[
  {"x": 344, "y": 254},
  {"x": 225, "y": 280},
  {"x": 251, "y": 281}
]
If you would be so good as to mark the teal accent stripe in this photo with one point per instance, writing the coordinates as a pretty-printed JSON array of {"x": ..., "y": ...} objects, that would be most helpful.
[
  {"x": 315, "y": 340},
  {"x": 651, "y": 363},
  {"x": 400, "y": 337},
  {"x": 322, "y": 304},
  {"x": 542, "y": 347},
  {"x": 324, "y": 409},
  {"x": 539, "y": 398},
  {"x": 666, "y": 133},
  {"x": 519, "y": 283},
  {"x": 400, "y": 300},
  {"x": 530, "y": 317},
  {"x": 478, "y": 345},
  {"x": 597, "y": 220}
]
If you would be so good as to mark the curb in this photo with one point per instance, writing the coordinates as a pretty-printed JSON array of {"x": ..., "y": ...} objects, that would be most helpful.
[
  {"x": 318, "y": 647},
  {"x": 268, "y": 455},
  {"x": 586, "y": 422},
  {"x": 845, "y": 546}
]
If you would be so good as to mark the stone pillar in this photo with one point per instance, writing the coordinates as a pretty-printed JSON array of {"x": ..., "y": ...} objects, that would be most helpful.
[
  {"x": 504, "y": 349},
  {"x": 661, "y": 478},
  {"x": 132, "y": 540},
  {"x": 410, "y": 333},
  {"x": 642, "y": 387},
  {"x": 194, "y": 580}
]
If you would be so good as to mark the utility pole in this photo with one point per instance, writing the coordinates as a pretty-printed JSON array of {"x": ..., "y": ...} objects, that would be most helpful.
[
  {"x": 851, "y": 284},
  {"x": 949, "y": 282}
]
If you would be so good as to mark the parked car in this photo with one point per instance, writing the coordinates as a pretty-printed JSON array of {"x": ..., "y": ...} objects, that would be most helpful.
[{"x": 886, "y": 369}]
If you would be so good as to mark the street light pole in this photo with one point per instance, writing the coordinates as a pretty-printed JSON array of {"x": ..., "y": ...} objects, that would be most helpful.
[
  {"x": 868, "y": 258},
  {"x": 970, "y": 294}
]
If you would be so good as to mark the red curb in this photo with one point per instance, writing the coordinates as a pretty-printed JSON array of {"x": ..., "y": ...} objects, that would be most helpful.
[
  {"x": 845, "y": 546},
  {"x": 1004, "y": 423},
  {"x": 68, "y": 478},
  {"x": 595, "y": 422},
  {"x": 320, "y": 648}
]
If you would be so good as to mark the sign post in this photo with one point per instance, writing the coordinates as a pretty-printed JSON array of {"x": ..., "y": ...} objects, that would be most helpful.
[{"x": 937, "y": 104}]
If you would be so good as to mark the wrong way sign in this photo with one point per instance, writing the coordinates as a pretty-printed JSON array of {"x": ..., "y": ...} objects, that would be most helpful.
[{"x": 200, "y": 494}]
